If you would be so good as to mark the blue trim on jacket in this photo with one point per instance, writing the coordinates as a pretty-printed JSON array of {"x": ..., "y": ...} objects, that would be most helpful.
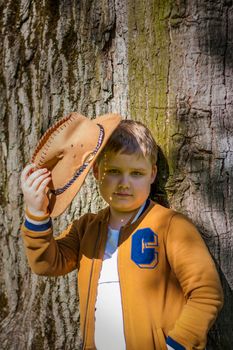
[
  {"x": 146, "y": 206},
  {"x": 38, "y": 228},
  {"x": 176, "y": 346}
]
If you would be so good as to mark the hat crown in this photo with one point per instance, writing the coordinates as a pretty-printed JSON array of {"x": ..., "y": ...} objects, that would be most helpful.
[
  {"x": 65, "y": 133},
  {"x": 68, "y": 149}
]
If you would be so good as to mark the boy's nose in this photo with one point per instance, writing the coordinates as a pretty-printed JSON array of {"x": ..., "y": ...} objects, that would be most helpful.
[
  {"x": 124, "y": 183},
  {"x": 123, "y": 186}
]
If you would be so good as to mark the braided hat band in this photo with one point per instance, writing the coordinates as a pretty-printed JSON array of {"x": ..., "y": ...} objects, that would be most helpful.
[{"x": 69, "y": 149}]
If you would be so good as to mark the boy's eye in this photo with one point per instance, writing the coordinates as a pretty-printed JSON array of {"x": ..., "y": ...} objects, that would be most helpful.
[
  {"x": 113, "y": 171},
  {"x": 137, "y": 173}
]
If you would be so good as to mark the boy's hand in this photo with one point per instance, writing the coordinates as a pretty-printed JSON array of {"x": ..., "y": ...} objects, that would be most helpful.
[{"x": 33, "y": 184}]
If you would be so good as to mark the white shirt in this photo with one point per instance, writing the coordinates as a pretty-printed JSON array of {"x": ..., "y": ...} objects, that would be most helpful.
[{"x": 109, "y": 325}]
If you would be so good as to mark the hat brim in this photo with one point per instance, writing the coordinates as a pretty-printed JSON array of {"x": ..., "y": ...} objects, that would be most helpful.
[{"x": 59, "y": 203}]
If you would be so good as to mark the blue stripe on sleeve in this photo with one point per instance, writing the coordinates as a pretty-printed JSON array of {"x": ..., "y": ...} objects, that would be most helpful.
[
  {"x": 38, "y": 228},
  {"x": 174, "y": 344}
]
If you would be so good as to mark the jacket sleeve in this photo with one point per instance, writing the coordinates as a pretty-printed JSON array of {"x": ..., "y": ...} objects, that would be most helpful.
[
  {"x": 49, "y": 256},
  {"x": 195, "y": 270}
]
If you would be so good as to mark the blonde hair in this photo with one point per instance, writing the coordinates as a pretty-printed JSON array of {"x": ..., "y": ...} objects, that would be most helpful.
[{"x": 132, "y": 137}]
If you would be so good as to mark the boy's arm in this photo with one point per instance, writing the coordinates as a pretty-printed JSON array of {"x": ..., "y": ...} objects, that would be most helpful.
[
  {"x": 47, "y": 255},
  {"x": 195, "y": 270}
]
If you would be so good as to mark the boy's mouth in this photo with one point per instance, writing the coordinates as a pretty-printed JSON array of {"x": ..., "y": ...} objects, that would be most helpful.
[{"x": 122, "y": 194}]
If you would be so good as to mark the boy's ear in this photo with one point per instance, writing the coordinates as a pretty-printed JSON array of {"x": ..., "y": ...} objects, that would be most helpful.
[
  {"x": 153, "y": 173},
  {"x": 96, "y": 171}
]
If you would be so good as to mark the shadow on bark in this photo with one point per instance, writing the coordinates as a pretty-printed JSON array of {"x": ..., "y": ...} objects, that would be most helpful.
[
  {"x": 219, "y": 337},
  {"x": 158, "y": 192}
]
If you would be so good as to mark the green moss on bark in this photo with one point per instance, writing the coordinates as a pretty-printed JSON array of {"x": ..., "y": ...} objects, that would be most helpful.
[{"x": 149, "y": 63}]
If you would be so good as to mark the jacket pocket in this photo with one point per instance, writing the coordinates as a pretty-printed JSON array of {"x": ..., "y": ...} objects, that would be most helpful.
[{"x": 161, "y": 339}]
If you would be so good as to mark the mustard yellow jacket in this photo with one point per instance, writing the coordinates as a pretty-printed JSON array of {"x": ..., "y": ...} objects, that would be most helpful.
[{"x": 169, "y": 284}]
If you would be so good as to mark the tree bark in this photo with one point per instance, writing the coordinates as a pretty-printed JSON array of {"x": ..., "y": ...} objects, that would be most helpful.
[{"x": 166, "y": 63}]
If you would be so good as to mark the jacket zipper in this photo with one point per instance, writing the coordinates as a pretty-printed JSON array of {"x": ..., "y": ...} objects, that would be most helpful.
[{"x": 89, "y": 289}]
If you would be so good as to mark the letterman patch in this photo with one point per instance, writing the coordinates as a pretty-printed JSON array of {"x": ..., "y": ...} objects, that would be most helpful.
[{"x": 143, "y": 248}]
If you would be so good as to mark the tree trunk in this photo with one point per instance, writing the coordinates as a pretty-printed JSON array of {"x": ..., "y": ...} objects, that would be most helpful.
[
  {"x": 180, "y": 83},
  {"x": 167, "y": 63}
]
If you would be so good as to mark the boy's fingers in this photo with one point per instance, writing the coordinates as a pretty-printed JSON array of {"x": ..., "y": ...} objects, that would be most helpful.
[
  {"x": 35, "y": 175},
  {"x": 38, "y": 181},
  {"x": 25, "y": 173},
  {"x": 44, "y": 184}
]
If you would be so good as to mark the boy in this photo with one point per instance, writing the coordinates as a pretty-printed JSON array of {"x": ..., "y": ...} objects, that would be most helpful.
[{"x": 146, "y": 279}]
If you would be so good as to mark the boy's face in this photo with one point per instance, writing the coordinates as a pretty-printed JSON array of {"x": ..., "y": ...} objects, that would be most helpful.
[{"x": 124, "y": 180}]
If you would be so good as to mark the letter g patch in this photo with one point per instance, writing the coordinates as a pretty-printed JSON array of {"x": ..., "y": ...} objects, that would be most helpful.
[{"x": 143, "y": 248}]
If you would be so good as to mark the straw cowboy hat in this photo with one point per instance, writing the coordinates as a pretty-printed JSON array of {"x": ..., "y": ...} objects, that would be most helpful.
[{"x": 68, "y": 149}]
